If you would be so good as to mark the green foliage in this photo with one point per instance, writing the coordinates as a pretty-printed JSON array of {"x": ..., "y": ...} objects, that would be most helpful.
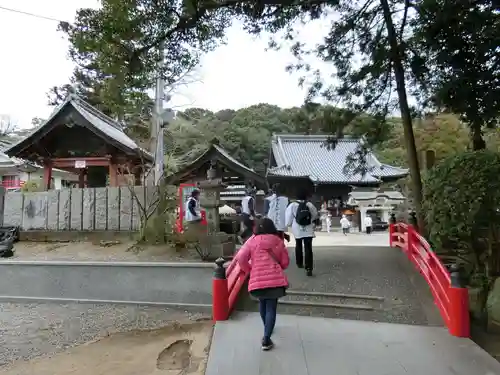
[
  {"x": 116, "y": 51},
  {"x": 445, "y": 134},
  {"x": 246, "y": 133},
  {"x": 31, "y": 187},
  {"x": 459, "y": 62},
  {"x": 461, "y": 204}
]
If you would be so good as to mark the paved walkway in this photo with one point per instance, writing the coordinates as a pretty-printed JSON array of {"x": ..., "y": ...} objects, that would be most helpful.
[
  {"x": 336, "y": 238},
  {"x": 319, "y": 346},
  {"x": 361, "y": 270}
]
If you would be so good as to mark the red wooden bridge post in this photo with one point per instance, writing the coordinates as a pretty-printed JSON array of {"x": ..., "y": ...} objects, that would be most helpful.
[
  {"x": 458, "y": 311},
  {"x": 220, "y": 293}
]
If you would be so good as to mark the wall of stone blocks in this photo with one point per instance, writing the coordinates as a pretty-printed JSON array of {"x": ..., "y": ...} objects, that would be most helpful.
[{"x": 89, "y": 209}]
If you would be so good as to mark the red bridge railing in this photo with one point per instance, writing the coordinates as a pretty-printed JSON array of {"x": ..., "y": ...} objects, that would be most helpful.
[
  {"x": 450, "y": 296},
  {"x": 227, "y": 283}
]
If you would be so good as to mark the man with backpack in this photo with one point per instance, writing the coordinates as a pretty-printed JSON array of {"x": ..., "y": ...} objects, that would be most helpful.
[{"x": 300, "y": 215}]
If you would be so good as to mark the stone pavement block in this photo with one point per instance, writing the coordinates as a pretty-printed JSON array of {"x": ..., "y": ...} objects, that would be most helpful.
[
  {"x": 227, "y": 357},
  {"x": 319, "y": 346},
  {"x": 323, "y": 360}
]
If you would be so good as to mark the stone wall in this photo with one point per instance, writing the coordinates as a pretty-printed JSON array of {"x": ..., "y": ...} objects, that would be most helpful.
[
  {"x": 107, "y": 282},
  {"x": 111, "y": 208}
]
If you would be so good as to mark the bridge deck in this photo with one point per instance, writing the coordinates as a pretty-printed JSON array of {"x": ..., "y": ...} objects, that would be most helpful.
[{"x": 319, "y": 346}]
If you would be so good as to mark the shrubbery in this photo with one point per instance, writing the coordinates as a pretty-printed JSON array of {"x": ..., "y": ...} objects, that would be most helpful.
[{"x": 461, "y": 207}]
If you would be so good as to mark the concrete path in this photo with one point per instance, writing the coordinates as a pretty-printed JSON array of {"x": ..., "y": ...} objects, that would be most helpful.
[{"x": 319, "y": 346}]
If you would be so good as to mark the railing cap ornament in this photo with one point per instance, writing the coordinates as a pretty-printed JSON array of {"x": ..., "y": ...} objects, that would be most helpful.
[
  {"x": 392, "y": 219},
  {"x": 220, "y": 271},
  {"x": 457, "y": 277}
]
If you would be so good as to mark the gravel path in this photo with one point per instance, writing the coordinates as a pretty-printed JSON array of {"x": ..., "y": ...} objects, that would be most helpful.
[{"x": 31, "y": 330}]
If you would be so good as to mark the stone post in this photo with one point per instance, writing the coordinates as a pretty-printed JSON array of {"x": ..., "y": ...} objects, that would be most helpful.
[{"x": 216, "y": 244}]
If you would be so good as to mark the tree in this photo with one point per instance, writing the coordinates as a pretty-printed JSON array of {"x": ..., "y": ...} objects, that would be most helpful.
[
  {"x": 113, "y": 74},
  {"x": 7, "y": 127},
  {"x": 123, "y": 37},
  {"x": 458, "y": 40}
]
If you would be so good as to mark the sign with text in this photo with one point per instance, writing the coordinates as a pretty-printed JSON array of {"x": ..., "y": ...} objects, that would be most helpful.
[{"x": 80, "y": 164}]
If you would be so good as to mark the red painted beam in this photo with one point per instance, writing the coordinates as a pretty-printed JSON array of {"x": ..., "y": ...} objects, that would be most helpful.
[{"x": 89, "y": 162}]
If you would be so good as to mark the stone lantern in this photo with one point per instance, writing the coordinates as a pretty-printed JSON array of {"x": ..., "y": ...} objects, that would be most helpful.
[{"x": 217, "y": 244}]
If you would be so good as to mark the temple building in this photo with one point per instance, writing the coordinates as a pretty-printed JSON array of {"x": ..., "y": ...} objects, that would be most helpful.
[
  {"x": 80, "y": 139},
  {"x": 305, "y": 162}
]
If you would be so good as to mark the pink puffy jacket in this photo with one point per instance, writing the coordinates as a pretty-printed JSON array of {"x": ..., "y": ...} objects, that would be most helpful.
[{"x": 265, "y": 271}]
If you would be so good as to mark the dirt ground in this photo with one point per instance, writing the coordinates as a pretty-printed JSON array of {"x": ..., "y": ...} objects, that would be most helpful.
[
  {"x": 179, "y": 349},
  {"x": 105, "y": 250}
]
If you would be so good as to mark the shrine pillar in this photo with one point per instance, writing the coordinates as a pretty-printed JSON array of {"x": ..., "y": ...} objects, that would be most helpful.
[
  {"x": 138, "y": 177},
  {"x": 47, "y": 175},
  {"x": 81, "y": 178},
  {"x": 113, "y": 174}
]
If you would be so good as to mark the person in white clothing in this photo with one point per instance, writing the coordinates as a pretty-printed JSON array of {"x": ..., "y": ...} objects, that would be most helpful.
[
  {"x": 277, "y": 210},
  {"x": 195, "y": 230},
  {"x": 300, "y": 215},
  {"x": 345, "y": 224},
  {"x": 328, "y": 222},
  {"x": 368, "y": 224},
  {"x": 267, "y": 201},
  {"x": 193, "y": 209},
  {"x": 248, "y": 214}
]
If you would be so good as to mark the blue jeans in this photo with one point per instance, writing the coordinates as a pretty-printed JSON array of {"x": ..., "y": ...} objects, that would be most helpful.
[{"x": 267, "y": 307}]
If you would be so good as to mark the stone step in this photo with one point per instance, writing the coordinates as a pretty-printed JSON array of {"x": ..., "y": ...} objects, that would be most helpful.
[
  {"x": 331, "y": 300},
  {"x": 335, "y": 305}
]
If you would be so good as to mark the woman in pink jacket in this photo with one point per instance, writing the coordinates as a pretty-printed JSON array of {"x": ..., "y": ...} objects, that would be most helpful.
[{"x": 265, "y": 256}]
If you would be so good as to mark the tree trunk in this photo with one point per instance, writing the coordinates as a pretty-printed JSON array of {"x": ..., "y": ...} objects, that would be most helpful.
[
  {"x": 399, "y": 75},
  {"x": 478, "y": 142}
]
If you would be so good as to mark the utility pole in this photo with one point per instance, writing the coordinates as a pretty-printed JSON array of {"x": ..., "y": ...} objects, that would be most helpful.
[{"x": 157, "y": 128}]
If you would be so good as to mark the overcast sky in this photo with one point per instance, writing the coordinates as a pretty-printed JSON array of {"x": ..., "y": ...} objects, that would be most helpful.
[{"x": 34, "y": 58}]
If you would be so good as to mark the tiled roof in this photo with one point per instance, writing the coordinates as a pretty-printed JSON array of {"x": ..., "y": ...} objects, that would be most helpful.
[
  {"x": 217, "y": 152},
  {"x": 230, "y": 158},
  {"x": 6, "y": 162},
  {"x": 307, "y": 156},
  {"x": 96, "y": 118}
]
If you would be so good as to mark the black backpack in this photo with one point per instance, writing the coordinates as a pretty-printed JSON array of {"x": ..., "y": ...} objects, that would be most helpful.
[{"x": 303, "y": 216}]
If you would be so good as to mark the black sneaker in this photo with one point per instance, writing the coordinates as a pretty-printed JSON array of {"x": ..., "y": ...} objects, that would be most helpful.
[
  {"x": 267, "y": 344},
  {"x": 300, "y": 265},
  {"x": 309, "y": 272}
]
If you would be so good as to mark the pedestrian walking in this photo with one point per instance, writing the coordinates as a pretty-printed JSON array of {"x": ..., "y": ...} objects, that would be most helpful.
[
  {"x": 265, "y": 256},
  {"x": 300, "y": 215},
  {"x": 248, "y": 214},
  {"x": 277, "y": 211},
  {"x": 345, "y": 225},
  {"x": 267, "y": 201},
  {"x": 368, "y": 224}
]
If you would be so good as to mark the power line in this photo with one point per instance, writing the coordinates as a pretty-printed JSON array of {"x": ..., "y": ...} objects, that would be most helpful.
[{"x": 31, "y": 14}]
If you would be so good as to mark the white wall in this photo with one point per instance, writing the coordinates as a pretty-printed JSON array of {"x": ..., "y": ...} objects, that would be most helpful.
[{"x": 38, "y": 176}]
